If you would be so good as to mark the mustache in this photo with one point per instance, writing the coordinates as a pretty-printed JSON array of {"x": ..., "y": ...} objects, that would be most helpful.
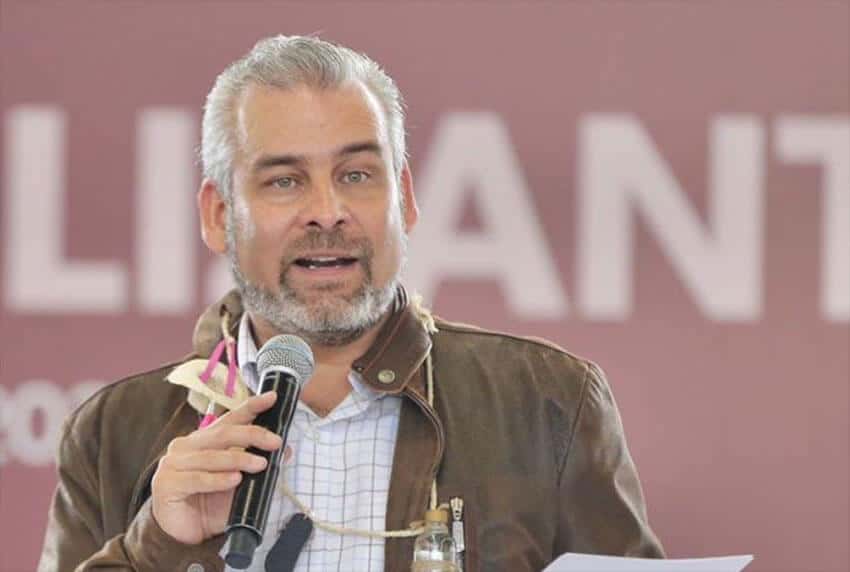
[{"x": 360, "y": 248}]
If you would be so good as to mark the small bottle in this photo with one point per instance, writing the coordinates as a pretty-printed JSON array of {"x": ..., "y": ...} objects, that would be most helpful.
[{"x": 434, "y": 550}]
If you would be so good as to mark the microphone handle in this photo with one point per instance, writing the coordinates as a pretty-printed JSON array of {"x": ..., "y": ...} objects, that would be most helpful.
[{"x": 253, "y": 496}]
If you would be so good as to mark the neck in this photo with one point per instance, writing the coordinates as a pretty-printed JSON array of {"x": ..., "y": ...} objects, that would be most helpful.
[{"x": 329, "y": 384}]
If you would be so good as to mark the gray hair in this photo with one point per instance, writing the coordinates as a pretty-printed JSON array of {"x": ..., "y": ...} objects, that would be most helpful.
[{"x": 286, "y": 62}]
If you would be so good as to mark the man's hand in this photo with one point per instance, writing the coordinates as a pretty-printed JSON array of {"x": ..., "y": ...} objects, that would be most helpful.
[{"x": 193, "y": 486}]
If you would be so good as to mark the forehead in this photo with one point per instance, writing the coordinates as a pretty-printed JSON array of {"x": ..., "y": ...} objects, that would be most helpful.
[{"x": 307, "y": 121}]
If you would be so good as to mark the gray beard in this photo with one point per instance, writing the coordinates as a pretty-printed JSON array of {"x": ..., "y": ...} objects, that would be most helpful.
[{"x": 332, "y": 321}]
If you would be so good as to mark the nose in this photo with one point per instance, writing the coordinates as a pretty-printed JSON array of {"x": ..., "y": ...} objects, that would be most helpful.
[{"x": 326, "y": 208}]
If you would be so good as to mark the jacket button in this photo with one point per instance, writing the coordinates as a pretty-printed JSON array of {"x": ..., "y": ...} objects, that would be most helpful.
[
  {"x": 195, "y": 567},
  {"x": 386, "y": 376}
]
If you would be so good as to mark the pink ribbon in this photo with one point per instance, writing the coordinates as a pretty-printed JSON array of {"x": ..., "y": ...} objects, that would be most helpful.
[{"x": 228, "y": 346}]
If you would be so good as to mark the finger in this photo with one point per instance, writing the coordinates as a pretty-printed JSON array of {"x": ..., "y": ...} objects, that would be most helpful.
[
  {"x": 225, "y": 437},
  {"x": 177, "y": 485},
  {"x": 215, "y": 461},
  {"x": 248, "y": 410}
]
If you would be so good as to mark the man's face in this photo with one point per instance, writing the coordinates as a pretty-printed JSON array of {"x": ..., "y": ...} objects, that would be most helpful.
[{"x": 316, "y": 234}]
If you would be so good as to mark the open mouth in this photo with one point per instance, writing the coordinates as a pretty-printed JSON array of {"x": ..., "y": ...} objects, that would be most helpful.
[{"x": 325, "y": 262}]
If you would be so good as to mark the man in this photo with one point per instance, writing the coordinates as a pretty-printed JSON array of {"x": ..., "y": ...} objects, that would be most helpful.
[{"x": 308, "y": 193}]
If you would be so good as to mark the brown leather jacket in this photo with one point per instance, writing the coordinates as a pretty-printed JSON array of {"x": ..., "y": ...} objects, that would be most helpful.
[{"x": 527, "y": 434}]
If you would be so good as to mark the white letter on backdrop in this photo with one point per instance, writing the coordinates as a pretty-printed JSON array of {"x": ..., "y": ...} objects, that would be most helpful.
[
  {"x": 31, "y": 398},
  {"x": 38, "y": 279},
  {"x": 826, "y": 141},
  {"x": 166, "y": 225},
  {"x": 472, "y": 153},
  {"x": 620, "y": 171}
]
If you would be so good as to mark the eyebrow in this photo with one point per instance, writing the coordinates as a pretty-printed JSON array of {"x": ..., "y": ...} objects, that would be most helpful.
[{"x": 269, "y": 161}]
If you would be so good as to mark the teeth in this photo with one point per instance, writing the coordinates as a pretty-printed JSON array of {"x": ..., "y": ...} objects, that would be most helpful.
[{"x": 324, "y": 261}]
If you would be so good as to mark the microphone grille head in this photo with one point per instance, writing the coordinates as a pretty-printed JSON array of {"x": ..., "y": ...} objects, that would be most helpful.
[{"x": 287, "y": 352}]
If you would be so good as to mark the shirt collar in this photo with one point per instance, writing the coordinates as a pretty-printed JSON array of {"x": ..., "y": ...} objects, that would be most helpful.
[
  {"x": 246, "y": 357},
  {"x": 246, "y": 354},
  {"x": 388, "y": 366}
]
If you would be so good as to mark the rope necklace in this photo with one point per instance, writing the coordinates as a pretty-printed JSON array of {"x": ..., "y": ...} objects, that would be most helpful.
[{"x": 415, "y": 529}]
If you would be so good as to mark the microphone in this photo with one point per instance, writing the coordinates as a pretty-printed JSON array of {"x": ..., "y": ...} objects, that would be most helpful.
[{"x": 285, "y": 363}]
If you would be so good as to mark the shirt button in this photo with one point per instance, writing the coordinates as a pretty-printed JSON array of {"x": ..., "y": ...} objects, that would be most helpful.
[
  {"x": 195, "y": 567},
  {"x": 386, "y": 376}
]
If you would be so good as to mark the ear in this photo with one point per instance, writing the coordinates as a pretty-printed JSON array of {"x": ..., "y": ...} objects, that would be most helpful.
[
  {"x": 213, "y": 213},
  {"x": 411, "y": 209}
]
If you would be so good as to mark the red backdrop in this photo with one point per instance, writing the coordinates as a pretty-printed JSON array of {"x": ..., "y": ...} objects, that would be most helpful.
[{"x": 662, "y": 187}]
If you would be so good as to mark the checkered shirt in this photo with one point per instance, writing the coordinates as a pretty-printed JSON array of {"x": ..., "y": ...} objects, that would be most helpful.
[{"x": 340, "y": 469}]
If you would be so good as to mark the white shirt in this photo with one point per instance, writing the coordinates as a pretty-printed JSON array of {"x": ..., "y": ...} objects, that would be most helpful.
[{"x": 340, "y": 468}]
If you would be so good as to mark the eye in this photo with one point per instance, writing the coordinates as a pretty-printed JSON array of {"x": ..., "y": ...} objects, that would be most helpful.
[
  {"x": 355, "y": 177},
  {"x": 284, "y": 182}
]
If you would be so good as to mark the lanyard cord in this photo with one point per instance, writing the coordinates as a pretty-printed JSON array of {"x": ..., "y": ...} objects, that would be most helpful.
[
  {"x": 415, "y": 528},
  {"x": 429, "y": 377}
]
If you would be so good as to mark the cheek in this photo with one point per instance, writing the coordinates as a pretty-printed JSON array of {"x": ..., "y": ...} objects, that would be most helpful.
[
  {"x": 392, "y": 244},
  {"x": 262, "y": 228},
  {"x": 258, "y": 243},
  {"x": 242, "y": 223}
]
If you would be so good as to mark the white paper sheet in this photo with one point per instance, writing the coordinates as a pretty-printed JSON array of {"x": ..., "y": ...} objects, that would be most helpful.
[{"x": 591, "y": 563}]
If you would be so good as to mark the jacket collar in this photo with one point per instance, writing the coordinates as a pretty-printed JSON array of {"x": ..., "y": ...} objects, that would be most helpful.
[{"x": 389, "y": 365}]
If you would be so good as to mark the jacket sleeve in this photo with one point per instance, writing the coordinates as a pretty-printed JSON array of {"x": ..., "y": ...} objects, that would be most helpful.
[
  {"x": 75, "y": 538},
  {"x": 602, "y": 506}
]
